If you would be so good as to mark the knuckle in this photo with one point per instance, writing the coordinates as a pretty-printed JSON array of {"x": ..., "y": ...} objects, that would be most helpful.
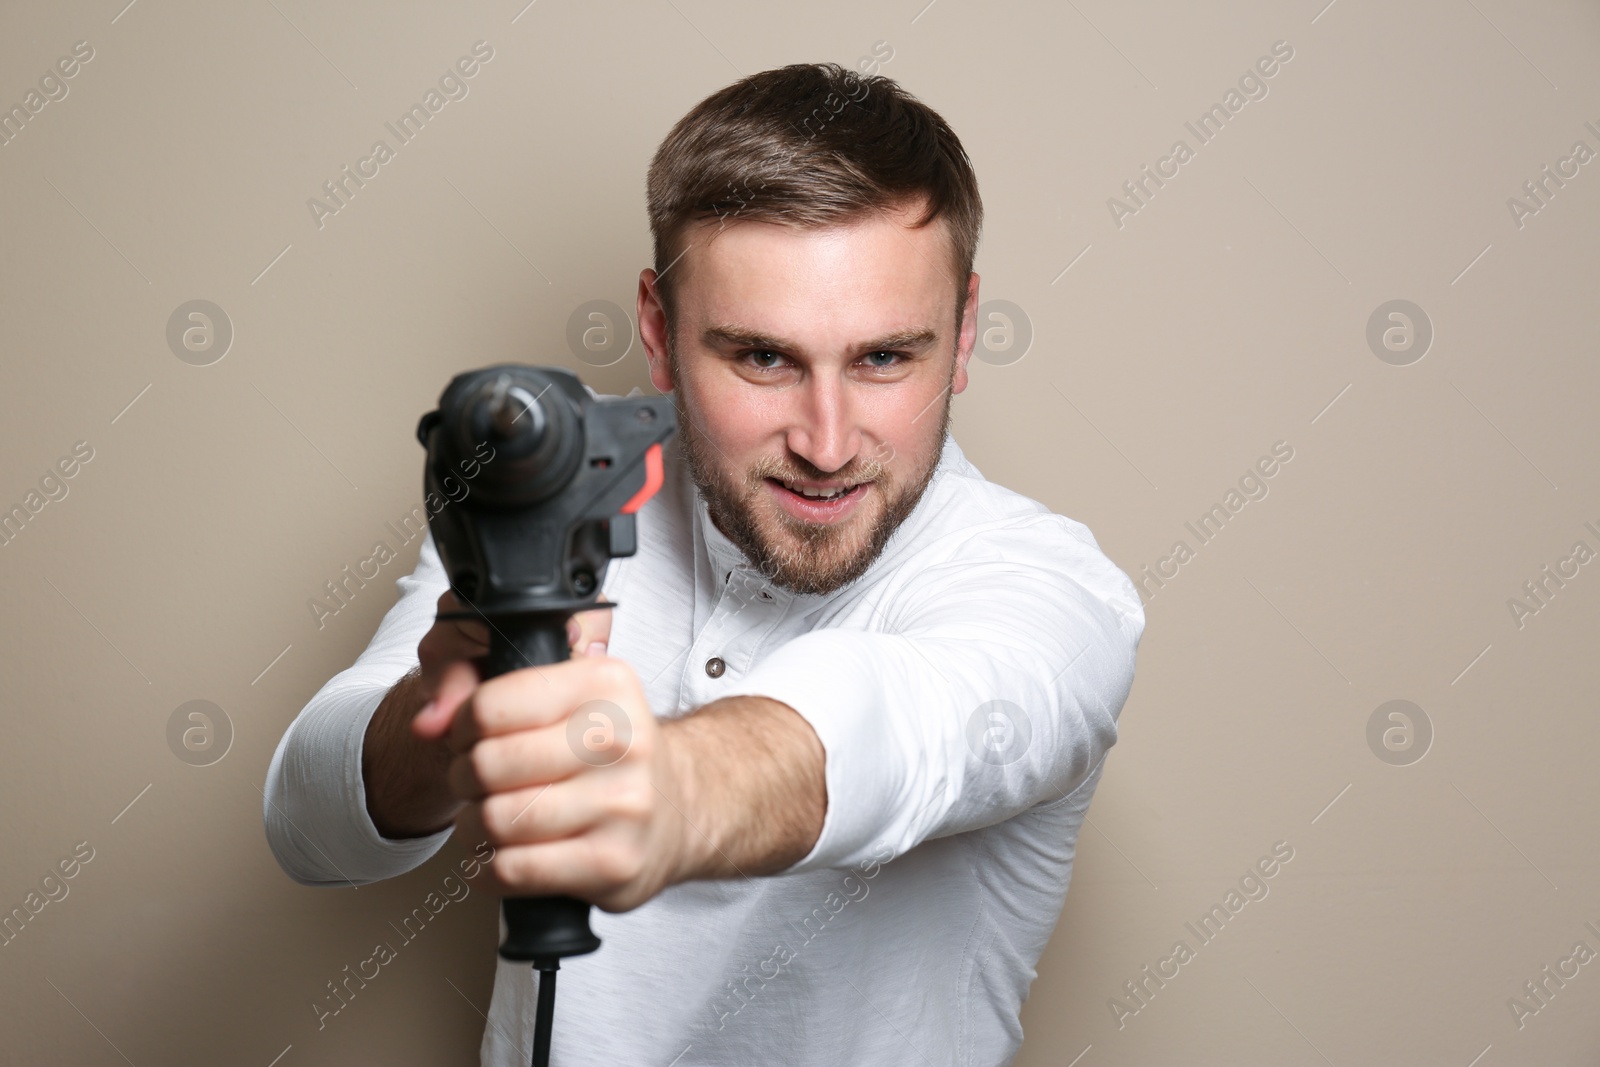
[
  {"x": 498, "y": 816},
  {"x": 490, "y": 821},
  {"x": 488, "y": 808},
  {"x": 641, "y": 748},
  {"x": 480, "y": 765},
  {"x": 483, "y": 718},
  {"x": 636, "y": 801},
  {"x": 614, "y": 674},
  {"x": 618, "y": 865}
]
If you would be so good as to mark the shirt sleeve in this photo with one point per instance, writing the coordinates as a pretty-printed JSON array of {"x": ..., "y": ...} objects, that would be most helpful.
[
  {"x": 314, "y": 803},
  {"x": 988, "y": 684}
]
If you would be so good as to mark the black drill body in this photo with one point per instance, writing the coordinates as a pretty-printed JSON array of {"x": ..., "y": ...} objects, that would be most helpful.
[{"x": 527, "y": 546}]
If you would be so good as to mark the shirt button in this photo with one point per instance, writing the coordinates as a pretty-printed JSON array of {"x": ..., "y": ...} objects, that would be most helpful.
[{"x": 715, "y": 666}]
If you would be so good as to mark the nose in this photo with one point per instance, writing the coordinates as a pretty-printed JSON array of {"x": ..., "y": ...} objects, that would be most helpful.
[{"x": 824, "y": 431}]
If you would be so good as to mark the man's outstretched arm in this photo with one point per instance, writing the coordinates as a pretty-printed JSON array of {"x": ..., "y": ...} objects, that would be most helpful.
[
  {"x": 584, "y": 793},
  {"x": 755, "y": 790}
]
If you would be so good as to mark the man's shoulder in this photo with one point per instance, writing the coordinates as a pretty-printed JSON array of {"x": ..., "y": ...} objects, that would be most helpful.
[
  {"x": 969, "y": 521},
  {"x": 964, "y": 512}
]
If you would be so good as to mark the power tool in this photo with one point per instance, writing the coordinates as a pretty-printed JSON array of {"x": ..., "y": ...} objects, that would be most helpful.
[{"x": 527, "y": 548}]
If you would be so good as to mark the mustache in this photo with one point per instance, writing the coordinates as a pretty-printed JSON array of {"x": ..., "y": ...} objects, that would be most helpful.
[{"x": 869, "y": 470}]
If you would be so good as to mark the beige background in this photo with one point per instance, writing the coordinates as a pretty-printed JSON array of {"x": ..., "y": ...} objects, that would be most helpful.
[{"x": 1227, "y": 314}]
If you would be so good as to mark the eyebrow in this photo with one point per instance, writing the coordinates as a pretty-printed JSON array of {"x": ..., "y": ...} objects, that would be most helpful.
[{"x": 742, "y": 337}]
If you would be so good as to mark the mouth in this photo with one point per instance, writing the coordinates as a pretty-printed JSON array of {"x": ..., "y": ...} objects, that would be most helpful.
[{"x": 820, "y": 502}]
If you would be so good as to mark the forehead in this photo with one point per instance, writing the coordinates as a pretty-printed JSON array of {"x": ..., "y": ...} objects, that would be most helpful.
[{"x": 864, "y": 271}]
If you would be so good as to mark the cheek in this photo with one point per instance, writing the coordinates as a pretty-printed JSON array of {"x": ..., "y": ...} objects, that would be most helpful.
[
  {"x": 910, "y": 426},
  {"x": 740, "y": 422}
]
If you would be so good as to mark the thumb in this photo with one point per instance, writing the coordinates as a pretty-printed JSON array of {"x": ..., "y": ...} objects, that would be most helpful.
[
  {"x": 589, "y": 631},
  {"x": 433, "y": 721}
]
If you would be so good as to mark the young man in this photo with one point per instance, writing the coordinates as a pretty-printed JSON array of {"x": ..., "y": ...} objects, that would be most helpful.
[{"x": 869, "y": 692}]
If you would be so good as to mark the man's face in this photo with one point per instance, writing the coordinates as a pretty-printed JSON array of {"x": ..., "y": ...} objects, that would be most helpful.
[{"x": 820, "y": 359}]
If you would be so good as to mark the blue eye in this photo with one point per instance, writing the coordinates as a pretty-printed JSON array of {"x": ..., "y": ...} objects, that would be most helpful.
[{"x": 892, "y": 355}]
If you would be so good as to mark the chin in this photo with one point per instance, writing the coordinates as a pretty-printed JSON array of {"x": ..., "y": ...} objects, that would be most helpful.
[{"x": 818, "y": 558}]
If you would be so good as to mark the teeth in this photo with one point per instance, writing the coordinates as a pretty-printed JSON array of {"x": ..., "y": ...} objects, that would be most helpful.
[{"x": 816, "y": 494}]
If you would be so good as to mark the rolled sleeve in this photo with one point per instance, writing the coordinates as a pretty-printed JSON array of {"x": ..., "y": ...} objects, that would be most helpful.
[
  {"x": 983, "y": 688},
  {"x": 314, "y": 804}
]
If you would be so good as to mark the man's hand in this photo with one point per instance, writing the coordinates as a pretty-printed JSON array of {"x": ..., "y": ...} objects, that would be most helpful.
[
  {"x": 404, "y": 762},
  {"x": 566, "y": 771}
]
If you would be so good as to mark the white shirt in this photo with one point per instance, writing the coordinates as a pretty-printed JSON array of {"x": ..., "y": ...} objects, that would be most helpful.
[{"x": 910, "y": 933}]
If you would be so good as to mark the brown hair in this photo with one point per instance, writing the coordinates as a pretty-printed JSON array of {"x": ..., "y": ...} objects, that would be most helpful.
[{"x": 809, "y": 145}]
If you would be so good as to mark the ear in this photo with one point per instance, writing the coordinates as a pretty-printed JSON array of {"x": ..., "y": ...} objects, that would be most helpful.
[
  {"x": 653, "y": 327},
  {"x": 969, "y": 336}
]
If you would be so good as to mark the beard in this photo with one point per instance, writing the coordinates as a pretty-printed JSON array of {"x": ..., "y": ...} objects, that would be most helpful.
[{"x": 804, "y": 558}]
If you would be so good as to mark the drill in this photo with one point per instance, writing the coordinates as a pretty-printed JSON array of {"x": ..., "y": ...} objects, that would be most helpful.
[{"x": 527, "y": 549}]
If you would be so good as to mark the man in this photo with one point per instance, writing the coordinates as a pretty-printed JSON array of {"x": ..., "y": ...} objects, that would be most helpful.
[{"x": 869, "y": 693}]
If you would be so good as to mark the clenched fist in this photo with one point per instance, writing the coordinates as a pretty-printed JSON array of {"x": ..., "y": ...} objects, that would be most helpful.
[
  {"x": 567, "y": 773},
  {"x": 562, "y": 767}
]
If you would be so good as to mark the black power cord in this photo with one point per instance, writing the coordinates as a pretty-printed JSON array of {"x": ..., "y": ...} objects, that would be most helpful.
[{"x": 545, "y": 1019}]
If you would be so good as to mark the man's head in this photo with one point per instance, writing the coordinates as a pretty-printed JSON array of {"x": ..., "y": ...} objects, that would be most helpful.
[{"x": 811, "y": 309}]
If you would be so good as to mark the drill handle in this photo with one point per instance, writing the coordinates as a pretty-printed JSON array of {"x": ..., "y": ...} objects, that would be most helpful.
[
  {"x": 532, "y": 641},
  {"x": 538, "y": 929}
]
